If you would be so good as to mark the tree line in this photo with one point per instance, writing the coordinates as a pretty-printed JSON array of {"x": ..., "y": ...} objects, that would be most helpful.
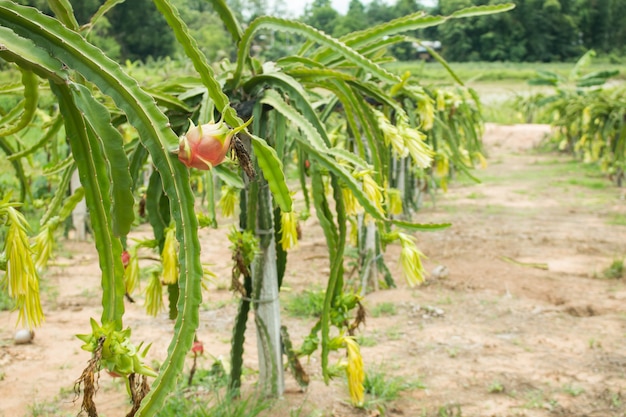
[{"x": 536, "y": 30}]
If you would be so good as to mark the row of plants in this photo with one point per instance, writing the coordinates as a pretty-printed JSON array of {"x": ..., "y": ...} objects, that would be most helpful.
[
  {"x": 587, "y": 112},
  {"x": 364, "y": 144}
]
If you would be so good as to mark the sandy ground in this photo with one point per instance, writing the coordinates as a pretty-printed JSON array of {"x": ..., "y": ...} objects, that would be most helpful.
[{"x": 523, "y": 325}]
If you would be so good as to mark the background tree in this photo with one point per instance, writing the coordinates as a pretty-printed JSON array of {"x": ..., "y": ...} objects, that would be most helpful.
[
  {"x": 206, "y": 27},
  {"x": 84, "y": 9},
  {"x": 322, "y": 16},
  {"x": 141, "y": 30},
  {"x": 378, "y": 12},
  {"x": 617, "y": 17},
  {"x": 536, "y": 30},
  {"x": 457, "y": 37},
  {"x": 592, "y": 16},
  {"x": 355, "y": 19}
]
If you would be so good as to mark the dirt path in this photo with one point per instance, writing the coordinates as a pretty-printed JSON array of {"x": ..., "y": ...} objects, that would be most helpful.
[{"x": 524, "y": 324}]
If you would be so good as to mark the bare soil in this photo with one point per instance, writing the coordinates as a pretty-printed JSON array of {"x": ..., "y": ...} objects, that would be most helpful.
[{"x": 524, "y": 324}]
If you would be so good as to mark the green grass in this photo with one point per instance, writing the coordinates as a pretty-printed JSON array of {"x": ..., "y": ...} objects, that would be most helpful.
[
  {"x": 196, "y": 404},
  {"x": 384, "y": 309},
  {"x": 560, "y": 173},
  {"x": 591, "y": 183},
  {"x": 208, "y": 397},
  {"x": 394, "y": 333},
  {"x": 573, "y": 390},
  {"x": 534, "y": 399},
  {"x": 51, "y": 408},
  {"x": 495, "y": 387},
  {"x": 476, "y": 195},
  {"x": 366, "y": 341},
  {"x": 502, "y": 112},
  {"x": 308, "y": 303},
  {"x": 615, "y": 270},
  {"x": 382, "y": 389},
  {"x": 450, "y": 410},
  {"x": 47, "y": 409},
  {"x": 617, "y": 220},
  {"x": 212, "y": 378}
]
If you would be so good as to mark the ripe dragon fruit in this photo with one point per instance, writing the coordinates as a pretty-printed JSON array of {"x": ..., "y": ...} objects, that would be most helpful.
[{"x": 204, "y": 147}]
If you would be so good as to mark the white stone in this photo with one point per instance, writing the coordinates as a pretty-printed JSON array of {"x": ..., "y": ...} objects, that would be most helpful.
[{"x": 23, "y": 336}]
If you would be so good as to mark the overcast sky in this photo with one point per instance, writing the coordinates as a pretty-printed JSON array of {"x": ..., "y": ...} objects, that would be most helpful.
[{"x": 296, "y": 7}]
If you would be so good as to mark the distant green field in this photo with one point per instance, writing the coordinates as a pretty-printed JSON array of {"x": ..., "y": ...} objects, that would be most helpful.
[
  {"x": 492, "y": 71},
  {"x": 498, "y": 83}
]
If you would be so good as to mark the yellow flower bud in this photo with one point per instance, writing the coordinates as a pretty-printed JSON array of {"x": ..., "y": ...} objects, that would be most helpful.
[
  {"x": 391, "y": 134},
  {"x": 395, "y": 201},
  {"x": 229, "y": 200},
  {"x": 442, "y": 165},
  {"x": 420, "y": 151},
  {"x": 481, "y": 159},
  {"x": 354, "y": 371},
  {"x": 289, "y": 230},
  {"x": 372, "y": 190},
  {"x": 22, "y": 278},
  {"x": 44, "y": 242},
  {"x": 131, "y": 270},
  {"x": 441, "y": 100},
  {"x": 410, "y": 260},
  {"x": 350, "y": 202},
  {"x": 169, "y": 256},
  {"x": 154, "y": 294},
  {"x": 426, "y": 111}
]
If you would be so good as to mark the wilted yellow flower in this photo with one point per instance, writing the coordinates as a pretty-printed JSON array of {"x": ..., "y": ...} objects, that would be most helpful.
[
  {"x": 372, "y": 190},
  {"x": 391, "y": 134},
  {"x": 44, "y": 242},
  {"x": 605, "y": 163},
  {"x": 199, "y": 185},
  {"x": 350, "y": 202},
  {"x": 465, "y": 155},
  {"x": 395, "y": 201},
  {"x": 586, "y": 117},
  {"x": 481, "y": 159},
  {"x": 169, "y": 256},
  {"x": 443, "y": 183},
  {"x": 396, "y": 88},
  {"x": 596, "y": 149},
  {"x": 131, "y": 271},
  {"x": 410, "y": 259},
  {"x": 426, "y": 111},
  {"x": 441, "y": 100},
  {"x": 22, "y": 279},
  {"x": 419, "y": 150},
  {"x": 154, "y": 294},
  {"x": 354, "y": 371},
  {"x": 228, "y": 200},
  {"x": 354, "y": 231},
  {"x": 442, "y": 165},
  {"x": 288, "y": 230}
]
